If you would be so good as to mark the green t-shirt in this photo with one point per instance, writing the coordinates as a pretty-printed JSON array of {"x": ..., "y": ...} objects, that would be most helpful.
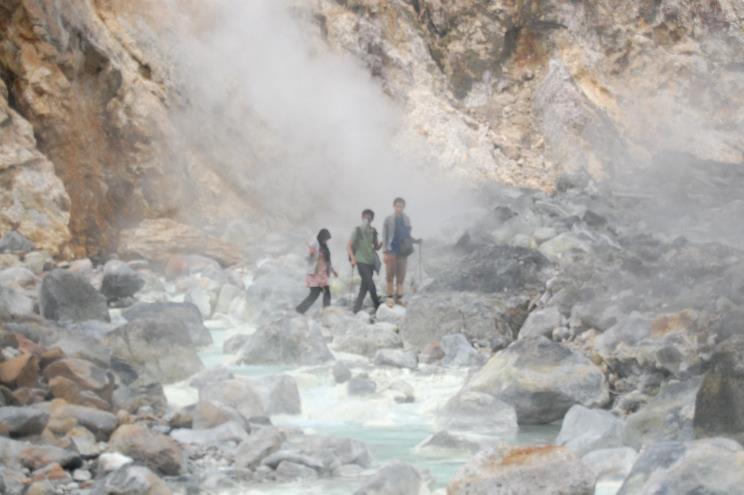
[{"x": 363, "y": 243}]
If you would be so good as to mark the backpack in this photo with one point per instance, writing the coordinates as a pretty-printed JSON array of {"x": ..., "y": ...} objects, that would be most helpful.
[{"x": 377, "y": 261}]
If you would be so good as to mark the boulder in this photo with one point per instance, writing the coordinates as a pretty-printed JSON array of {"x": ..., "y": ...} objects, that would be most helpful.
[
  {"x": 68, "y": 296},
  {"x": 186, "y": 313},
  {"x": 158, "y": 452},
  {"x": 84, "y": 374},
  {"x": 134, "y": 396},
  {"x": 158, "y": 350},
  {"x": 292, "y": 471},
  {"x": 584, "y": 430},
  {"x": 286, "y": 341},
  {"x": 120, "y": 281},
  {"x": 394, "y": 315},
  {"x": 15, "y": 453},
  {"x": 238, "y": 393},
  {"x": 394, "y": 479},
  {"x": 217, "y": 436},
  {"x": 19, "y": 277},
  {"x": 228, "y": 293},
  {"x": 666, "y": 417},
  {"x": 38, "y": 261},
  {"x": 613, "y": 463},
  {"x": 547, "y": 470},
  {"x": 367, "y": 340},
  {"x": 201, "y": 298},
  {"x": 719, "y": 404},
  {"x": 100, "y": 423},
  {"x": 131, "y": 479},
  {"x": 22, "y": 421},
  {"x": 324, "y": 454},
  {"x": 458, "y": 352},
  {"x": 445, "y": 443},
  {"x": 541, "y": 379},
  {"x": 471, "y": 410},
  {"x": 14, "y": 242},
  {"x": 275, "y": 286},
  {"x": 541, "y": 322},
  {"x": 561, "y": 245},
  {"x": 361, "y": 385},
  {"x": 13, "y": 303},
  {"x": 341, "y": 372},
  {"x": 480, "y": 317},
  {"x": 711, "y": 465},
  {"x": 208, "y": 414},
  {"x": 261, "y": 444},
  {"x": 397, "y": 358},
  {"x": 279, "y": 394},
  {"x": 20, "y": 371}
]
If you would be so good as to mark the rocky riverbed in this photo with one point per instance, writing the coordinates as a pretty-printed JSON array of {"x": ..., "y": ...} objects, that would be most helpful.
[{"x": 553, "y": 345}]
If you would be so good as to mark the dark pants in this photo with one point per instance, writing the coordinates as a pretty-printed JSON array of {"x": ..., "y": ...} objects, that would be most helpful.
[
  {"x": 311, "y": 298},
  {"x": 368, "y": 285}
]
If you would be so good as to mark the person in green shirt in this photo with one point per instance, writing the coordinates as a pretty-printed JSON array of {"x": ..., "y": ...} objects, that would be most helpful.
[{"x": 362, "y": 249}]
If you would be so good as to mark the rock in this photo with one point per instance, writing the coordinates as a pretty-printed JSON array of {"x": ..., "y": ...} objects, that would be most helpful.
[
  {"x": 261, "y": 444},
  {"x": 432, "y": 353},
  {"x": 290, "y": 471},
  {"x": 561, "y": 245},
  {"x": 444, "y": 443},
  {"x": 120, "y": 281},
  {"x": 208, "y": 414},
  {"x": 324, "y": 454},
  {"x": 341, "y": 372},
  {"x": 186, "y": 313},
  {"x": 394, "y": 479},
  {"x": 666, "y": 417},
  {"x": 719, "y": 404},
  {"x": 279, "y": 394},
  {"x": 611, "y": 463},
  {"x": 84, "y": 374},
  {"x": 22, "y": 421},
  {"x": 459, "y": 353},
  {"x": 541, "y": 379},
  {"x": 238, "y": 393},
  {"x": 67, "y": 296},
  {"x": 100, "y": 423},
  {"x": 112, "y": 461},
  {"x": 218, "y": 436},
  {"x": 524, "y": 470},
  {"x": 156, "y": 451},
  {"x": 701, "y": 466},
  {"x": 471, "y": 410},
  {"x": 360, "y": 385},
  {"x": 133, "y": 397},
  {"x": 397, "y": 358},
  {"x": 38, "y": 261},
  {"x": 19, "y": 277},
  {"x": 30, "y": 456},
  {"x": 228, "y": 293},
  {"x": 368, "y": 340},
  {"x": 13, "y": 302},
  {"x": 20, "y": 371},
  {"x": 200, "y": 298},
  {"x": 394, "y": 315},
  {"x": 541, "y": 322},
  {"x": 13, "y": 242},
  {"x": 584, "y": 430},
  {"x": 402, "y": 392},
  {"x": 131, "y": 479},
  {"x": 209, "y": 376},
  {"x": 286, "y": 341},
  {"x": 82, "y": 475},
  {"x": 158, "y": 350},
  {"x": 158, "y": 239},
  {"x": 431, "y": 316},
  {"x": 82, "y": 441}
]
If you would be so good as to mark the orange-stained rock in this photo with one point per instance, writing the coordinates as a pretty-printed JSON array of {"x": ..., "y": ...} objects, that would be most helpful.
[
  {"x": 70, "y": 391},
  {"x": 20, "y": 371},
  {"x": 51, "y": 355},
  {"x": 86, "y": 375}
]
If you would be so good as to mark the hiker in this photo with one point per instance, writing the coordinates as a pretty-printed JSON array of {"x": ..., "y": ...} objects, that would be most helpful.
[
  {"x": 398, "y": 246},
  {"x": 362, "y": 249},
  {"x": 319, "y": 271}
]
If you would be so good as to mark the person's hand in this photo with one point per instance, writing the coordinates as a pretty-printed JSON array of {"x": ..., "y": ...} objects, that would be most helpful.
[{"x": 353, "y": 261}]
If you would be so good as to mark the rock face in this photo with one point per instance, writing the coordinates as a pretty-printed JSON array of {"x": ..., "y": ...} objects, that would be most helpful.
[
  {"x": 719, "y": 404},
  {"x": 159, "y": 350},
  {"x": 701, "y": 466},
  {"x": 524, "y": 470},
  {"x": 541, "y": 379},
  {"x": 67, "y": 296}
]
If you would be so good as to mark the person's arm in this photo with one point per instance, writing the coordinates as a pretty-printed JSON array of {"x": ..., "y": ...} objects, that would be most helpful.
[
  {"x": 377, "y": 243},
  {"x": 350, "y": 252}
]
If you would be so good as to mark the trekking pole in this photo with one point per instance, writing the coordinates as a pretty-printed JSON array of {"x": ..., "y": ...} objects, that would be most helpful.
[
  {"x": 351, "y": 287},
  {"x": 420, "y": 263}
]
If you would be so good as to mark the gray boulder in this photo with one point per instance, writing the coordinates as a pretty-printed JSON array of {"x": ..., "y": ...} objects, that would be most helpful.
[
  {"x": 238, "y": 393},
  {"x": 394, "y": 479},
  {"x": 541, "y": 322},
  {"x": 14, "y": 242},
  {"x": 397, "y": 358},
  {"x": 157, "y": 451},
  {"x": 431, "y": 316},
  {"x": 710, "y": 466},
  {"x": 719, "y": 405},
  {"x": 279, "y": 394},
  {"x": 584, "y": 430},
  {"x": 471, "y": 410},
  {"x": 612, "y": 464},
  {"x": 361, "y": 385},
  {"x": 68, "y": 296},
  {"x": 459, "y": 353},
  {"x": 186, "y": 313},
  {"x": 367, "y": 340},
  {"x": 219, "y": 435},
  {"x": 541, "y": 380},
  {"x": 158, "y": 350},
  {"x": 13, "y": 302},
  {"x": 341, "y": 372},
  {"x": 22, "y": 421},
  {"x": 286, "y": 341},
  {"x": 547, "y": 470},
  {"x": 120, "y": 281},
  {"x": 666, "y": 417},
  {"x": 129, "y": 480},
  {"x": 257, "y": 447}
]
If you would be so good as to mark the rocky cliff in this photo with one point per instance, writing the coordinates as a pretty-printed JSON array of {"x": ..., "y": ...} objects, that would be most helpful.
[{"x": 512, "y": 91}]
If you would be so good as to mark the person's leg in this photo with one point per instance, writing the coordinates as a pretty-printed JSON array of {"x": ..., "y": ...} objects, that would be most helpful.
[
  {"x": 372, "y": 289},
  {"x": 390, "y": 265},
  {"x": 309, "y": 300},
  {"x": 326, "y": 296},
  {"x": 364, "y": 275},
  {"x": 400, "y": 277}
]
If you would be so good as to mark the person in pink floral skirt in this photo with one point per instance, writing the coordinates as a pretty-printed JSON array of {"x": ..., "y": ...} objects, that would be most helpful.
[{"x": 320, "y": 270}]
